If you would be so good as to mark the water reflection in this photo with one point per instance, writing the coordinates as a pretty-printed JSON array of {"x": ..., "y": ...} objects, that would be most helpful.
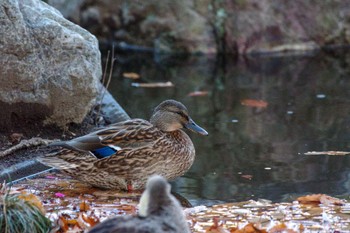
[{"x": 308, "y": 99}]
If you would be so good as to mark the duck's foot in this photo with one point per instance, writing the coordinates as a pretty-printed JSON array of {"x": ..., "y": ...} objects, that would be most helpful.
[{"x": 130, "y": 189}]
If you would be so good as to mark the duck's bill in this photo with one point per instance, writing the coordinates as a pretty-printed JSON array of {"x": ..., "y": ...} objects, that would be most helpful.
[{"x": 191, "y": 125}]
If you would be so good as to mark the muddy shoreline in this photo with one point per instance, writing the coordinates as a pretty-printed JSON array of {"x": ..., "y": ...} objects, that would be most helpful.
[{"x": 23, "y": 162}]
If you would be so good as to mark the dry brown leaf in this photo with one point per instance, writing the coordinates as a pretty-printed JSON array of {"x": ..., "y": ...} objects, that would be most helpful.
[
  {"x": 317, "y": 199},
  {"x": 254, "y": 103},
  {"x": 328, "y": 200},
  {"x": 32, "y": 199},
  {"x": 81, "y": 222},
  {"x": 72, "y": 222},
  {"x": 216, "y": 228},
  {"x": 249, "y": 228},
  {"x": 327, "y": 153},
  {"x": 233, "y": 229},
  {"x": 83, "y": 206},
  {"x": 131, "y": 75},
  {"x": 76, "y": 229},
  {"x": 151, "y": 85},
  {"x": 129, "y": 209},
  {"x": 310, "y": 199},
  {"x": 63, "y": 223},
  {"x": 198, "y": 93},
  {"x": 281, "y": 228},
  {"x": 91, "y": 220},
  {"x": 301, "y": 228}
]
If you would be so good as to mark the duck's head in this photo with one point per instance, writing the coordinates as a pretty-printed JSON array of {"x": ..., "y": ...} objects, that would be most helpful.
[
  {"x": 155, "y": 197},
  {"x": 171, "y": 115}
]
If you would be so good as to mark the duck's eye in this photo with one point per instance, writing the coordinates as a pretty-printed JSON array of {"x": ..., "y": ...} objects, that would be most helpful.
[{"x": 183, "y": 115}]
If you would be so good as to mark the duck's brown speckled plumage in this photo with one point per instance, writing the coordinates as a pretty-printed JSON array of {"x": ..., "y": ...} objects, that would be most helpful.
[{"x": 145, "y": 149}]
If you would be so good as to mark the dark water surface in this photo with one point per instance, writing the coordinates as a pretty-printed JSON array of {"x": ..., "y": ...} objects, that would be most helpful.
[{"x": 251, "y": 152}]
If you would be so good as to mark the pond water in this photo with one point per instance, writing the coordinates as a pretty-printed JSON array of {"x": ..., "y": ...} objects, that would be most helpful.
[{"x": 252, "y": 152}]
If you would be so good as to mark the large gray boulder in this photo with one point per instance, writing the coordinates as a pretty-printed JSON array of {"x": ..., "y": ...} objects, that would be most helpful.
[{"x": 49, "y": 67}]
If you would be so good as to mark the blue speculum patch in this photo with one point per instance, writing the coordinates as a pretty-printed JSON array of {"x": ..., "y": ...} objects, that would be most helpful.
[{"x": 104, "y": 152}]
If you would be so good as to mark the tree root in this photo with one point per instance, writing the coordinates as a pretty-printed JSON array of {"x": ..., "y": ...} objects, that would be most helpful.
[{"x": 33, "y": 142}]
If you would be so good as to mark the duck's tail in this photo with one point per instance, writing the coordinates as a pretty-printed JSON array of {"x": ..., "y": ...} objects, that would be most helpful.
[{"x": 67, "y": 160}]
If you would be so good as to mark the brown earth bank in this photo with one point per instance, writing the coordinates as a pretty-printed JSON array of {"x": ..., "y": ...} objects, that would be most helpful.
[{"x": 22, "y": 163}]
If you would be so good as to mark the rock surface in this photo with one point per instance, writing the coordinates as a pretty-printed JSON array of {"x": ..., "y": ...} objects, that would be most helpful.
[
  {"x": 244, "y": 26},
  {"x": 49, "y": 67},
  {"x": 164, "y": 25}
]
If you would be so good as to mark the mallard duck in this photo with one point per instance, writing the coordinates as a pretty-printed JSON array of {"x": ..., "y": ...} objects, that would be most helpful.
[
  {"x": 159, "y": 212},
  {"x": 123, "y": 155}
]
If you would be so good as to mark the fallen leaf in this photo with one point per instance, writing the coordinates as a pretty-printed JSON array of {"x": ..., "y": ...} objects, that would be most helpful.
[
  {"x": 254, "y": 103},
  {"x": 317, "y": 199},
  {"x": 328, "y": 200},
  {"x": 151, "y": 85},
  {"x": 131, "y": 75},
  {"x": 63, "y": 223},
  {"x": 216, "y": 228},
  {"x": 81, "y": 222},
  {"x": 301, "y": 228},
  {"x": 233, "y": 229},
  {"x": 281, "y": 228},
  {"x": 91, "y": 220},
  {"x": 84, "y": 206},
  {"x": 198, "y": 93},
  {"x": 310, "y": 199},
  {"x": 249, "y": 228},
  {"x": 76, "y": 229},
  {"x": 128, "y": 208},
  {"x": 327, "y": 153},
  {"x": 72, "y": 221},
  {"x": 32, "y": 199}
]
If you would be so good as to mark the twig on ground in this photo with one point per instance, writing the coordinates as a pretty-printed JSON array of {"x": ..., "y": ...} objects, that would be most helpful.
[
  {"x": 103, "y": 91},
  {"x": 26, "y": 144}
]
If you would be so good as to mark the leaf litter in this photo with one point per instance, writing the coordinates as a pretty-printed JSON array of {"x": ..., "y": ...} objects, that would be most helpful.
[{"x": 83, "y": 207}]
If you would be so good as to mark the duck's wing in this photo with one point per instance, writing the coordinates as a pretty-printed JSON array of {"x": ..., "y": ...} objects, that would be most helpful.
[
  {"x": 130, "y": 134},
  {"x": 84, "y": 143},
  {"x": 68, "y": 159},
  {"x": 105, "y": 142}
]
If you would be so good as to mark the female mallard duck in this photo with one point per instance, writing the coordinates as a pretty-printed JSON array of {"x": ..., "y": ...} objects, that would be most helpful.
[
  {"x": 159, "y": 212},
  {"x": 124, "y": 154}
]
